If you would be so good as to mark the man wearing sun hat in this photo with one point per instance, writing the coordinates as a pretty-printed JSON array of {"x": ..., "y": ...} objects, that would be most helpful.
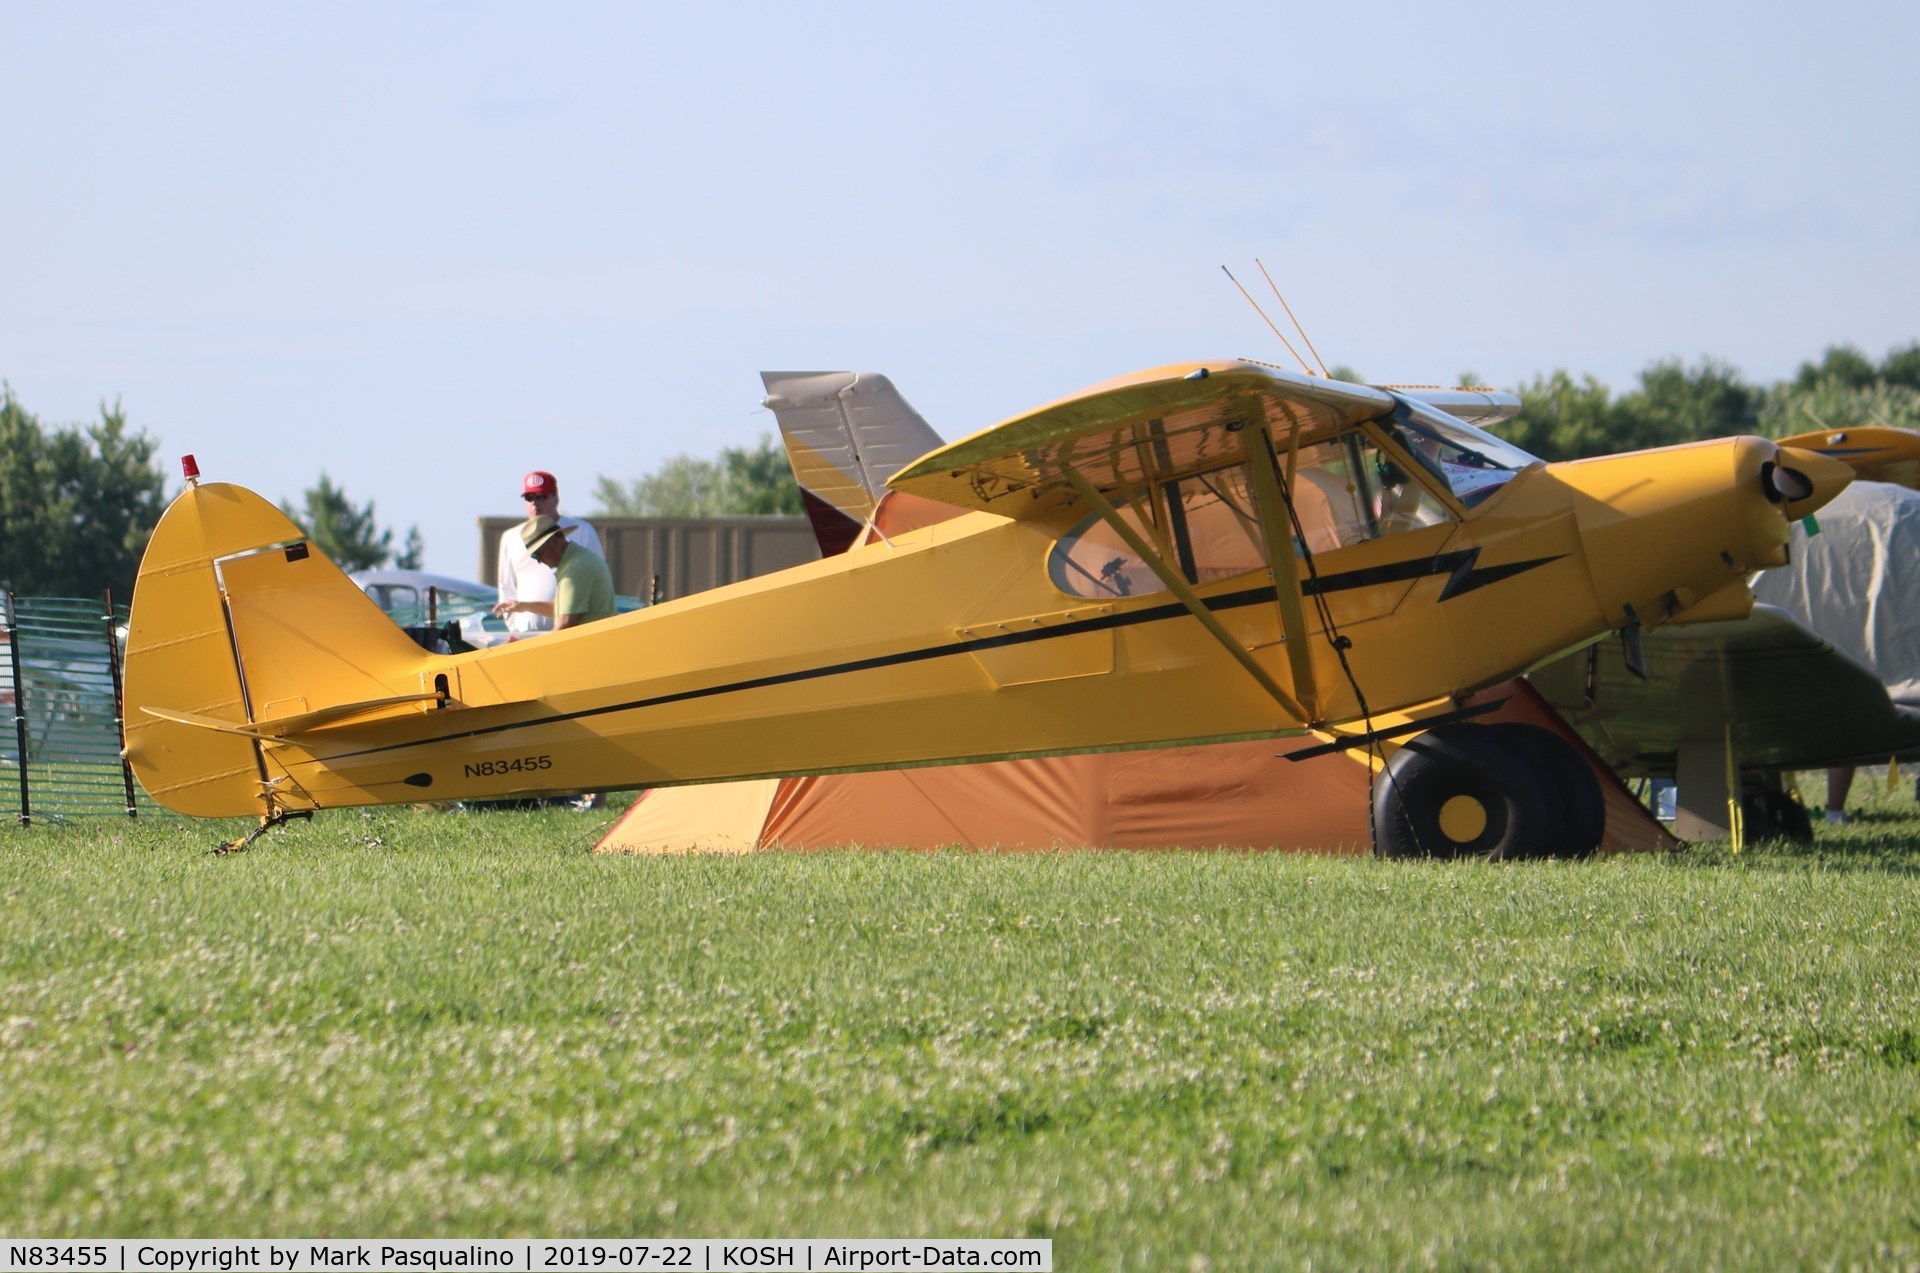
[
  {"x": 583, "y": 586},
  {"x": 526, "y": 586}
]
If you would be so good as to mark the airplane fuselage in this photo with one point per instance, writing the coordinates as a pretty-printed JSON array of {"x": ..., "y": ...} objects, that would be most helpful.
[{"x": 970, "y": 639}]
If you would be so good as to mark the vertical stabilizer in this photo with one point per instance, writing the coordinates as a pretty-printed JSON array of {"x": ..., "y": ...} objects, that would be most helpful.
[
  {"x": 238, "y": 619},
  {"x": 846, "y": 433}
]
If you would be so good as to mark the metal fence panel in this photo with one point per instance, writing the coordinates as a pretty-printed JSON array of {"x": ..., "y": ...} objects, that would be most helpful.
[{"x": 60, "y": 692}]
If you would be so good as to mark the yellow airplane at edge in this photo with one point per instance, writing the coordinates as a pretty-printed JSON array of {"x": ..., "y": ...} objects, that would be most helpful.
[{"x": 1199, "y": 552}]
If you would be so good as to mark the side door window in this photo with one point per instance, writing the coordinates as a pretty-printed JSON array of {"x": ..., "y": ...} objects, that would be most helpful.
[
  {"x": 1347, "y": 490},
  {"x": 1203, "y": 524}
]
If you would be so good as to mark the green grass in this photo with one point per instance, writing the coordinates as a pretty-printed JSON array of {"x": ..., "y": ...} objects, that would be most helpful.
[{"x": 424, "y": 1024}]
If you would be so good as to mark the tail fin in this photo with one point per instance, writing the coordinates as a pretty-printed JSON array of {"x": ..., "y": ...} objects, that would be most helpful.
[
  {"x": 846, "y": 433},
  {"x": 241, "y": 631}
]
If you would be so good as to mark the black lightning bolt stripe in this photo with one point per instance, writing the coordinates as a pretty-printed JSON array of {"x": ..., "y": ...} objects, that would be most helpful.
[
  {"x": 1457, "y": 566},
  {"x": 1465, "y": 578}
]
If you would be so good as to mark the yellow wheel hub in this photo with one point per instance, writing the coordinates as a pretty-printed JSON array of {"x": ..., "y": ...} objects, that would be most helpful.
[{"x": 1463, "y": 819}]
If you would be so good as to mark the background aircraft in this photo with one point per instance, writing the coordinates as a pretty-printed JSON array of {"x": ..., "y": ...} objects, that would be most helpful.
[{"x": 1824, "y": 673}]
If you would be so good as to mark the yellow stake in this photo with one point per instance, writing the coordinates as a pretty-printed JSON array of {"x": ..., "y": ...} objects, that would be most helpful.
[{"x": 1736, "y": 819}]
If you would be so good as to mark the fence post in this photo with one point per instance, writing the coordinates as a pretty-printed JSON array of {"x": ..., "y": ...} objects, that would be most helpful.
[
  {"x": 119, "y": 705},
  {"x": 19, "y": 709}
]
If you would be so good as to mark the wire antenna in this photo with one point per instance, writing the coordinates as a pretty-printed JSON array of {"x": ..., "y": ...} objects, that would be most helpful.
[
  {"x": 1306, "y": 339},
  {"x": 1818, "y": 423},
  {"x": 1268, "y": 321}
]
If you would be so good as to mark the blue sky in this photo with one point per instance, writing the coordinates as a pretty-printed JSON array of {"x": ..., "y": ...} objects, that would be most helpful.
[{"x": 425, "y": 247}]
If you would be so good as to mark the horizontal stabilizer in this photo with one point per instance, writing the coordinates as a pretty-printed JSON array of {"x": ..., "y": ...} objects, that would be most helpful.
[{"x": 288, "y": 726}]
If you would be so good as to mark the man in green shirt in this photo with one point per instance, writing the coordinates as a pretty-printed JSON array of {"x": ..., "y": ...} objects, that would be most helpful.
[{"x": 584, "y": 588}]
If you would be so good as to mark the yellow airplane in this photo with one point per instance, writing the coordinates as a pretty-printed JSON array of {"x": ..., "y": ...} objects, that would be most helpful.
[{"x": 1205, "y": 551}]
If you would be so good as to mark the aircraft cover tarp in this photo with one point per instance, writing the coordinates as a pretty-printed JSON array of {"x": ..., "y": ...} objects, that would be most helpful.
[
  {"x": 1225, "y": 795},
  {"x": 1851, "y": 583}
]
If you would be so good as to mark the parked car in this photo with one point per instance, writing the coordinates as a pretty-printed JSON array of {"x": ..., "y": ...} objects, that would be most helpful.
[
  {"x": 418, "y": 601},
  {"x": 425, "y": 604}
]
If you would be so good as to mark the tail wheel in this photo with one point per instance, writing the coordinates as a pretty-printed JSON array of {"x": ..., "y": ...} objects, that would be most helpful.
[
  {"x": 1773, "y": 814},
  {"x": 1576, "y": 792},
  {"x": 1793, "y": 820},
  {"x": 1464, "y": 791}
]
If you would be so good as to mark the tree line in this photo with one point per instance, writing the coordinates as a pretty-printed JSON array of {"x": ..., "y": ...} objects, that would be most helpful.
[
  {"x": 741, "y": 481},
  {"x": 78, "y": 501},
  {"x": 1568, "y": 419}
]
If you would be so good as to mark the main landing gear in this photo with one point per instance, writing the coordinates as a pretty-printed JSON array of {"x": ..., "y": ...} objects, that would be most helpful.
[{"x": 1491, "y": 791}]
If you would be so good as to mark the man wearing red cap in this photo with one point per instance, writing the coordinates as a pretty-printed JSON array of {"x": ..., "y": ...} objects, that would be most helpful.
[{"x": 526, "y": 586}]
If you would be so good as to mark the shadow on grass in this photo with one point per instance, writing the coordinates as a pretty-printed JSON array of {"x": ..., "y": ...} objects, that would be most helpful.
[{"x": 1889, "y": 847}]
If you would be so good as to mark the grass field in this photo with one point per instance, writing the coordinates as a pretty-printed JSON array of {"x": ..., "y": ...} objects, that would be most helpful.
[{"x": 420, "y": 1024}]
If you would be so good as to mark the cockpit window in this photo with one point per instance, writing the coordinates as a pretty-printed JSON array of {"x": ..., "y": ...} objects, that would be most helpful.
[
  {"x": 1211, "y": 528},
  {"x": 1345, "y": 490},
  {"x": 1470, "y": 462},
  {"x": 1334, "y": 489}
]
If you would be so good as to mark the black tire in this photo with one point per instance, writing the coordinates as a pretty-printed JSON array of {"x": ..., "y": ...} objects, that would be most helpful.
[
  {"x": 1576, "y": 791},
  {"x": 1791, "y": 819},
  {"x": 1774, "y": 815},
  {"x": 1462, "y": 791}
]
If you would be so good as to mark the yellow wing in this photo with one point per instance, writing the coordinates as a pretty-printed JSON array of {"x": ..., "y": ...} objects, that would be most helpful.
[
  {"x": 1133, "y": 430},
  {"x": 1878, "y": 453},
  {"x": 1785, "y": 697}
]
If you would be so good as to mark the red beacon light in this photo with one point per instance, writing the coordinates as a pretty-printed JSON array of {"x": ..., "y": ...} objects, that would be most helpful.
[{"x": 191, "y": 469}]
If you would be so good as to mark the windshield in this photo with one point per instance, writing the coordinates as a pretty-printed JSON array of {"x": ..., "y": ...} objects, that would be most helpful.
[
  {"x": 409, "y": 605},
  {"x": 1471, "y": 462}
]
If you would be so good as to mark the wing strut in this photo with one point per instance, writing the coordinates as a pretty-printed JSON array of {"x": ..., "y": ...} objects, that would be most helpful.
[
  {"x": 1276, "y": 524},
  {"x": 1178, "y": 586}
]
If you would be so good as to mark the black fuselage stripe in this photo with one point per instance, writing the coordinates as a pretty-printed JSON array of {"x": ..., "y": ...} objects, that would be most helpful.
[
  {"x": 1101, "y": 623},
  {"x": 1395, "y": 572}
]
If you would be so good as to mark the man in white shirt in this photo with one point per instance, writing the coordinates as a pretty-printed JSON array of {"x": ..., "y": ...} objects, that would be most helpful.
[{"x": 526, "y": 586}]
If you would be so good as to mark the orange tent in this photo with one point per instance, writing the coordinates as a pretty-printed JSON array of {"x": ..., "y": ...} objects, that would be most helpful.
[{"x": 1222, "y": 795}]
